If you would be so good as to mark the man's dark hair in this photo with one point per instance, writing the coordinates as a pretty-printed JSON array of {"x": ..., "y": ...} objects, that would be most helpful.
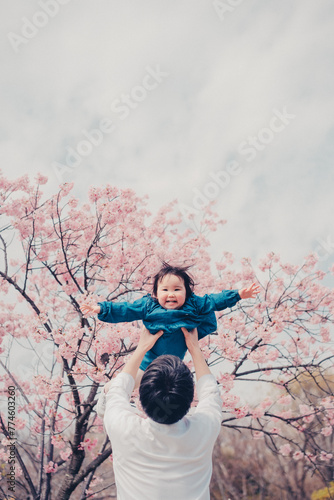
[
  {"x": 166, "y": 389},
  {"x": 181, "y": 272}
]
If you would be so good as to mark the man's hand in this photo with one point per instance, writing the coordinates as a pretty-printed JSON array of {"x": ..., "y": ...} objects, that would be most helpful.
[
  {"x": 250, "y": 292},
  {"x": 88, "y": 310},
  {"x": 191, "y": 338},
  {"x": 106, "y": 387},
  {"x": 146, "y": 342},
  {"x": 147, "y": 339}
]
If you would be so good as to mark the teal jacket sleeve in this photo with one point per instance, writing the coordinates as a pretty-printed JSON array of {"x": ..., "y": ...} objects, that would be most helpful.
[
  {"x": 218, "y": 301},
  {"x": 119, "y": 312}
]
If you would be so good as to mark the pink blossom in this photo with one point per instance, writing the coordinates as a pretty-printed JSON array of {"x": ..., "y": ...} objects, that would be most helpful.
[
  {"x": 115, "y": 244},
  {"x": 324, "y": 332},
  {"x": 266, "y": 403},
  {"x": 289, "y": 269},
  {"x": 20, "y": 423},
  {"x": 226, "y": 380},
  {"x": 65, "y": 454},
  {"x": 297, "y": 360},
  {"x": 285, "y": 400},
  {"x": 41, "y": 179},
  {"x": 50, "y": 467},
  {"x": 327, "y": 431},
  {"x": 259, "y": 355},
  {"x": 298, "y": 455},
  {"x": 65, "y": 189},
  {"x": 230, "y": 401},
  {"x": 228, "y": 258},
  {"x": 257, "y": 412},
  {"x": 285, "y": 414},
  {"x": 275, "y": 430},
  {"x": 19, "y": 471},
  {"x": 220, "y": 266},
  {"x": 257, "y": 435},
  {"x": 325, "y": 457},
  {"x": 58, "y": 442},
  {"x": 305, "y": 410},
  {"x": 88, "y": 443},
  {"x": 285, "y": 450},
  {"x": 265, "y": 264},
  {"x": 241, "y": 411},
  {"x": 320, "y": 274},
  {"x": 310, "y": 261}
]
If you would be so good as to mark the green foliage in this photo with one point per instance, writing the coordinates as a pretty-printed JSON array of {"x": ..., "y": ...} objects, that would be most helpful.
[{"x": 324, "y": 493}]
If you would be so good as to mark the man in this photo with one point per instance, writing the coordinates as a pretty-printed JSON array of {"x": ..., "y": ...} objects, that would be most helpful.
[{"x": 167, "y": 456}]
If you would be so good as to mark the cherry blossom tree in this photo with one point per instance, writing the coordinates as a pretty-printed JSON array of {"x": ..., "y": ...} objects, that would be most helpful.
[
  {"x": 58, "y": 252},
  {"x": 245, "y": 467}
]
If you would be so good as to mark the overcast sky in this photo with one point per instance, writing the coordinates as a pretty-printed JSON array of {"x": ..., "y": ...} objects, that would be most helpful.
[{"x": 229, "y": 100}]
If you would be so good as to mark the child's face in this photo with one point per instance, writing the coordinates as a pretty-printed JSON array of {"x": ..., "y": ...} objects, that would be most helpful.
[{"x": 171, "y": 292}]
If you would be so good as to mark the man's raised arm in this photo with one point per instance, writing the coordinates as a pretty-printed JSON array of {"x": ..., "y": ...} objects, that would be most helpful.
[{"x": 191, "y": 338}]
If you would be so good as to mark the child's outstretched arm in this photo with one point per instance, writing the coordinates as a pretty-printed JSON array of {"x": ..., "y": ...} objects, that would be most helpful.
[
  {"x": 226, "y": 298},
  {"x": 250, "y": 292},
  {"x": 117, "y": 312}
]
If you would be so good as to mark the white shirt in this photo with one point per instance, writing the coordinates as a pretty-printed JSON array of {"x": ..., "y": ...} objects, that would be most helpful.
[{"x": 157, "y": 461}]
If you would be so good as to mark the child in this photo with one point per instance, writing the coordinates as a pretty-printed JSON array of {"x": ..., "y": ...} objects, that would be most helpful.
[{"x": 171, "y": 306}]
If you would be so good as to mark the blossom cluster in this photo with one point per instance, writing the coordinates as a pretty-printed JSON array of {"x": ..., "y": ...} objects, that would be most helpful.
[{"x": 59, "y": 253}]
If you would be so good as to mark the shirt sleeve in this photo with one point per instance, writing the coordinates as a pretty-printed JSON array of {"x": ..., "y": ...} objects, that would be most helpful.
[
  {"x": 118, "y": 407},
  {"x": 101, "y": 404},
  {"x": 209, "y": 401},
  {"x": 218, "y": 301},
  {"x": 118, "y": 312}
]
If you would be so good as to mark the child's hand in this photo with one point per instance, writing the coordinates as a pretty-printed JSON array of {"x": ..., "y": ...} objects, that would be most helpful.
[
  {"x": 147, "y": 339},
  {"x": 250, "y": 292},
  {"x": 88, "y": 310}
]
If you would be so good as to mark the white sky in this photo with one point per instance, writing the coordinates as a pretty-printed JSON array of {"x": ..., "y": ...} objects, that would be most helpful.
[{"x": 227, "y": 75}]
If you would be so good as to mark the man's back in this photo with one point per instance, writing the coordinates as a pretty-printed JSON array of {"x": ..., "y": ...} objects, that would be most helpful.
[{"x": 155, "y": 461}]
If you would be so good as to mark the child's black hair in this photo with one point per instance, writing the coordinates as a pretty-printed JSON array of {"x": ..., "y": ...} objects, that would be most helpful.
[
  {"x": 166, "y": 390},
  {"x": 181, "y": 272}
]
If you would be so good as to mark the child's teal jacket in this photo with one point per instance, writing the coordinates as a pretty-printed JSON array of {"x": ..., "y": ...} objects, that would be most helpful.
[{"x": 196, "y": 312}]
